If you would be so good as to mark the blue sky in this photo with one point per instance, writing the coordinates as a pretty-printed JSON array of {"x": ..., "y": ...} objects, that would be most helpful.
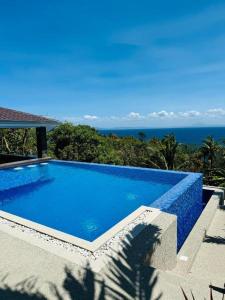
[{"x": 124, "y": 63}]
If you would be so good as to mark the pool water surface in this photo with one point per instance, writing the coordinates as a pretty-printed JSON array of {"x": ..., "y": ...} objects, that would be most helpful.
[{"x": 79, "y": 199}]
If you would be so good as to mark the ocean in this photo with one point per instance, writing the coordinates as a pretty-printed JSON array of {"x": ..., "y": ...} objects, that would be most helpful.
[{"x": 189, "y": 135}]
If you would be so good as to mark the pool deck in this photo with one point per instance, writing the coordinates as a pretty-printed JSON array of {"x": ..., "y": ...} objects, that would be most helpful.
[
  {"x": 208, "y": 267},
  {"x": 21, "y": 260},
  {"x": 210, "y": 260}
]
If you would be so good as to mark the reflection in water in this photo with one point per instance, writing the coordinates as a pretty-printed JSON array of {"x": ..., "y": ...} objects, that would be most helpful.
[
  {"x": 131, "y": 196},
  {"x": 13, "y": 194},
  {"x": 22, "y": 183},
  {"x": 44, "y": 173},
  {"x": 89, "y": 226},
  {"x": 18, "y": 168}
]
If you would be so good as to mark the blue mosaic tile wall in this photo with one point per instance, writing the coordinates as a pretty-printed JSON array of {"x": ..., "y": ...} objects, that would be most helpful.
[{"x": 185, "y": 201}]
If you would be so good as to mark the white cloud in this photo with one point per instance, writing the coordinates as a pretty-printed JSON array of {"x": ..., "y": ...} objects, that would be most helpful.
[
  {"x": 171, "y": 114},
  {"x": 158, "y": 117},
  {"x": 190, "y": 114},
  {"x": 90, "y": 117},
  {"x": 134, "y": 116},
  {"x": 162, "y": 114},
  {"x": 216, "y": 112}
]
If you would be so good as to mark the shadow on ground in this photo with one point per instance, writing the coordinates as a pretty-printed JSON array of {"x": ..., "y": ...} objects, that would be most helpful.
[
  {"x": 128, "y": 276},
  {"x": 212, "y": 288},
  {"x": 214, "y": 240},
  {"x": 23, "y": 290}
]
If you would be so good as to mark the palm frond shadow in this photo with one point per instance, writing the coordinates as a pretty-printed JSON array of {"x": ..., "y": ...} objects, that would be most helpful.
[
  {"x": 212, "y": 288},
  {"x": 83, "y": 286},
  {"x": 24, "y": 290},
  {"x": 214, "y": 240},
  {"x": 127, "y": 275}
]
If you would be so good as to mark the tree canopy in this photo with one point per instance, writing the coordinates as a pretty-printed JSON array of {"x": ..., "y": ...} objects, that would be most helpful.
[{"x": 84, "y": 143}]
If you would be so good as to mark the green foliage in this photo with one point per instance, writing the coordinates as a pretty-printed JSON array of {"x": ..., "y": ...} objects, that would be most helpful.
[
  {"x": 209, "y": 150},
  {"x": 107, "y": 153},
  {"x": 164, "y": 152},
  {"x": 71, "y": 142},
  {"x": 84, "y": 143},
  {"x": 19, "y": 141},
  {"x": 142, "y": 136}
]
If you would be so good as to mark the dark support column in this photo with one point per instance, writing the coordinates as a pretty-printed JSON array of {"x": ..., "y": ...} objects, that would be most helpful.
[{"x": 41, "y": 142}]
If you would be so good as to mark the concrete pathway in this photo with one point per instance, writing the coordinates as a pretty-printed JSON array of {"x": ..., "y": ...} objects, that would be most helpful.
[
  {"x": 210, "y": 260},
  {"x": 21, "y": 261}
]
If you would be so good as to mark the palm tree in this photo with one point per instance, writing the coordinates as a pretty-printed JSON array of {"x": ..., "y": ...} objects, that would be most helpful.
[
  {"x": 141, "y": 136},
  {"x": 209, "y": 150},
  {"x": 164, "y": 152},
  {"x": 169, "y": 147}
]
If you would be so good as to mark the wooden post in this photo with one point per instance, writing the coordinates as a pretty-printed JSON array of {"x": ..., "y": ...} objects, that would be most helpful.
[{"x": 41, "y": 142}]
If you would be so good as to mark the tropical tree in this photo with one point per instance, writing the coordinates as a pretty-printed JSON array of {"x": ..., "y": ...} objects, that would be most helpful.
[
  {"x": 218, "y": 178},
  {"x": 164, "y": 152},
  {"x": 169, "y": 150},
  {"x": 209, "y": 150},
  {"x": 18, "y": 141},
  {"x": 142, "y": 136},
  {"x": 129, "y": 150},
  {"x": 107, "y": 152},
  {"x": 71, "y": 142}
]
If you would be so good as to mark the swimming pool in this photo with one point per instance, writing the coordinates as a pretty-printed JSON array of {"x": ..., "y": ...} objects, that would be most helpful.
[{"x": 85, "y": 200}]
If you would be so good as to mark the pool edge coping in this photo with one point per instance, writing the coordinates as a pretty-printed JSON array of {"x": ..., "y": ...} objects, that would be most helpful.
[
  {"x": 78, "y": 242},
  {"x": 23, "y": 162}
]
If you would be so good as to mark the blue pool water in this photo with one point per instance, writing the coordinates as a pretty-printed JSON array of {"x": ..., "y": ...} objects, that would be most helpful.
[{"x": 83, "y": 200}]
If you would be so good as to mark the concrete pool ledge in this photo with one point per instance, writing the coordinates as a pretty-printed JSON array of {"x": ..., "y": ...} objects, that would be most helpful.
[
  {"x": 24, "y": 162},
  {"x": 90, "y": 246}
]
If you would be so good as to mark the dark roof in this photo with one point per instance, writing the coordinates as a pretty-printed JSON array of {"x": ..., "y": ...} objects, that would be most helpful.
[{"x": 13, "y": 116}]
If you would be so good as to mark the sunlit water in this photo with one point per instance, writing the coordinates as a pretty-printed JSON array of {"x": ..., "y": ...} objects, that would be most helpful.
[{"x": 80, "y": 201}]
